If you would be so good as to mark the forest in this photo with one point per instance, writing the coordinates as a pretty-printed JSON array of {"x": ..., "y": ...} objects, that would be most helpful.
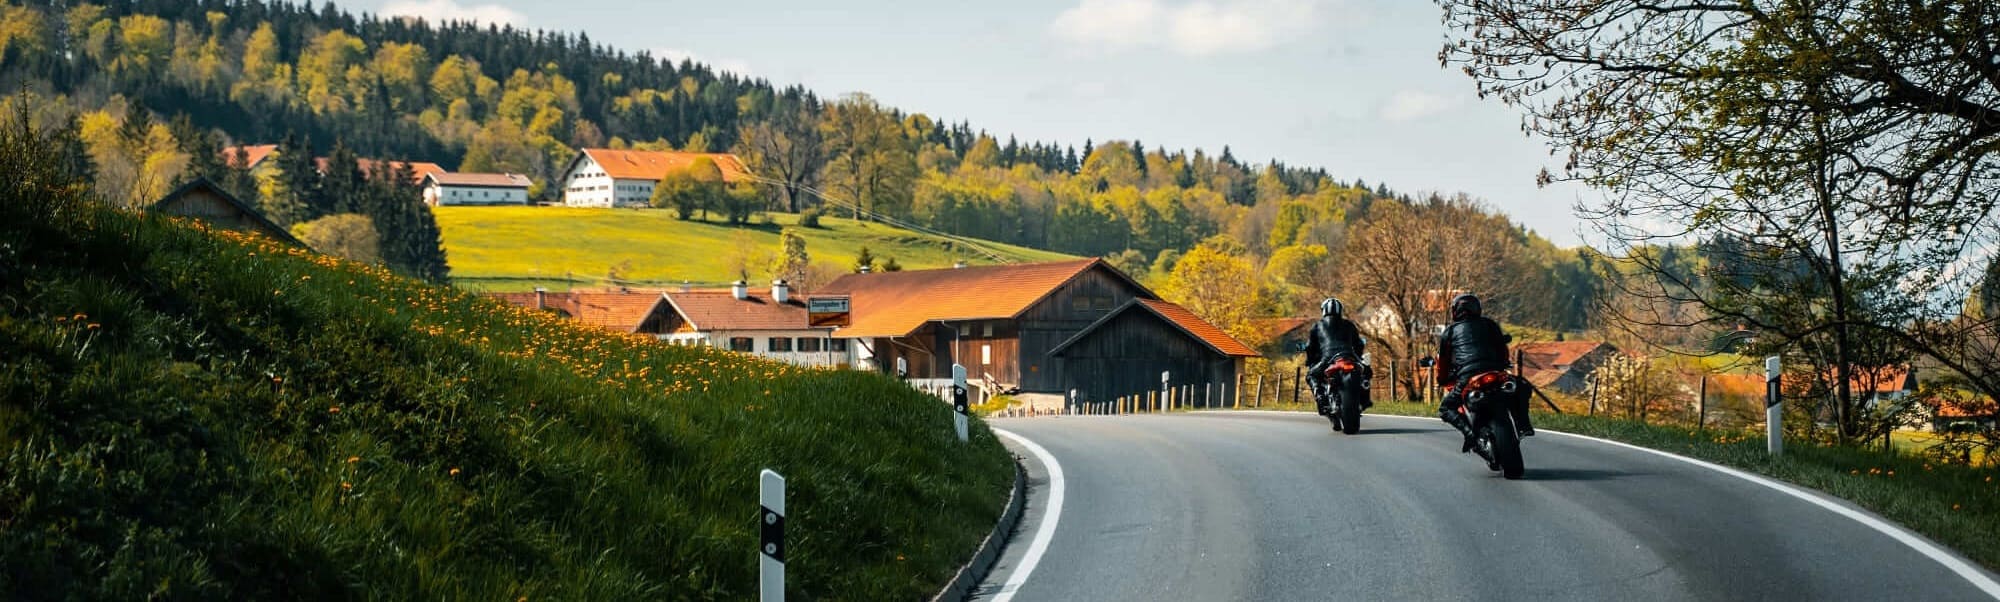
[{"x": 154, "y": 89}]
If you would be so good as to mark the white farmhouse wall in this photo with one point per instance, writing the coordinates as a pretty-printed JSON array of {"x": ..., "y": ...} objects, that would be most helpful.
[
  {"x": 589, "y": 186},
  {"x": 761, "y": 345},
  {"x": 474, "y": 195}
]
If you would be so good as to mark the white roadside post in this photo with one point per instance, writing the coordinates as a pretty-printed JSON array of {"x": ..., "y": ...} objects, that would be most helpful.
[
  {"x": 1774, "y": 406},
  {"x": 902, "y": 369},
  {"x": 1166, "y": 391},
  {"x": 958, "y": 404},
  {"x": 1073, "y": 404},
  {"x": 771, "y": 557}
]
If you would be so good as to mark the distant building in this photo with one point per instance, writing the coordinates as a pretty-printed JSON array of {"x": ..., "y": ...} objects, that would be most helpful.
[
  {"x": 1284, "y": 338},
  {"x": 769, "y": 325},
  {"x": 602, "y": 177},
  {"x": 203, "y": 200},
  {"x": 257, "y": 157},
  {"x": 475, "y": 189},
  {"x": 1563, "y": 365},
  {"x": 1041, "y": 328},
  {"x": 623, "y": 310}
]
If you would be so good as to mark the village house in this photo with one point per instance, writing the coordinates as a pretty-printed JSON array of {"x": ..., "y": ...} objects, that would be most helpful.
[
  {"x": 603, "y": 177},
  {"x": 772, "y": 326},
  {"x": 203, "y": 200},
  {"x": 1040, "y": 328},
  {"x": 453, "y": 188},
  {"x": 1284, "y": 338},
  {"x": 1563, "y": 365},
  {"x": 255, "y": 158}
]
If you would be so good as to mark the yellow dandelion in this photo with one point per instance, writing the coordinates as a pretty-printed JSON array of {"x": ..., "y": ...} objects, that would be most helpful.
[{"x": 454, "y": 472}]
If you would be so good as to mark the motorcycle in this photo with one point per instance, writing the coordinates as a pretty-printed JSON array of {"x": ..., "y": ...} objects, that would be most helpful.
[
  {"x": 1343, "y": 394},
  {"x": 1489, "y": 399}
]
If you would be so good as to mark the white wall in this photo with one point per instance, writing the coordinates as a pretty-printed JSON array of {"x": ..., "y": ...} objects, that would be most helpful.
[
  {"x": 589, "y": 186},
  {"x": 760, "y": 341},
  {"x": 472, "y": 195}
]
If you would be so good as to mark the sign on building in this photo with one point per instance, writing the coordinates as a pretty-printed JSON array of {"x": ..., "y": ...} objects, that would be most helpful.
[{"x": 828, "y": 311}]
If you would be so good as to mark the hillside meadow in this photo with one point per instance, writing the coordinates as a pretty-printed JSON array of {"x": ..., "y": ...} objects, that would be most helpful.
[
  {"x": 519, "y": 248},
  {"x": 197, "y": 415}
]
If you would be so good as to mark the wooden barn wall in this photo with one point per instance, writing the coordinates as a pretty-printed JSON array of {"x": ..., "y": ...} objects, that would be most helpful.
[
  {"x": 1126, "y": 357},
  {"x": 1071, "y": 308}
]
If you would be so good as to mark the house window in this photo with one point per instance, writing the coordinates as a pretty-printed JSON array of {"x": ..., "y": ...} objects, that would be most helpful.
[
  {"x": 1079, "y": 304},
  {"x": 743, "y": 344},
  {"x": 985, "y": 355},
  {"x": 780, "y": 344},
  {"x": 986, "y": 330},
  {"x": 1100, "y": 303},
  {"x": 808, "y": 345},
  {"x": 837, "y": 345}
]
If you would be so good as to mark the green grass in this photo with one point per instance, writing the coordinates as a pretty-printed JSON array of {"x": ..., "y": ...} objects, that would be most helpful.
[
  {"x": 518, "y": 248},
  {"x": 1956, "y": 505},
  {"x": 187, "y": 415}
]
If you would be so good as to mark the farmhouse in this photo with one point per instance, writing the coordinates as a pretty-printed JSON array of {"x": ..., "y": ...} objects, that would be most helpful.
[
  {"x": 1041, "y": 328},
  {"x": 1285, "y": 338},
  {"x": 738, "y": 319},
  {"x": 1562, "y": 365},
  {"x": 603, "y": 177},
  {"x": 203, "y": 200},
  {"x": 254, "y": 158},
  {"x": 622, "y": 310},
  {"x": 475, "y": 189}
]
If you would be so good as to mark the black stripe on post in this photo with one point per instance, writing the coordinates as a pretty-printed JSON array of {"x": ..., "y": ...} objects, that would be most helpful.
[{"x": 773, "y": 535}]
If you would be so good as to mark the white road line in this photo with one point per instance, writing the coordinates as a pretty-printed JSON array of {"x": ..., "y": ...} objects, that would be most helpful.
[
  {"x": 1047, "y": 531},
  {"x": 1973, "y": 575}
]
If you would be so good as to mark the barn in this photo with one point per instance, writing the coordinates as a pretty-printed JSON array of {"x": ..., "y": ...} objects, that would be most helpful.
[
  {"x": 203, "y": 200},
  {"x": 1005, "y": 323}
]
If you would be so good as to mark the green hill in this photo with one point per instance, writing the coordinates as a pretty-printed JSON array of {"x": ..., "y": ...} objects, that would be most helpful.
[
  {"x": 518, "y": 248},
  {"x": 208, "y": 416}
]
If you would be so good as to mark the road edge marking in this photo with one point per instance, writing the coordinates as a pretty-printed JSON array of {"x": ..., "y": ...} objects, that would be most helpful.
[
  {"x": 1047, "y": 529},
  {"x": 1973, "y": 575}
]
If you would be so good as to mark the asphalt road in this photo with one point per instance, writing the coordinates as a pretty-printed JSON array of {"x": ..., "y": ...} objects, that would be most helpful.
[{"x": 1268, "y": 506}]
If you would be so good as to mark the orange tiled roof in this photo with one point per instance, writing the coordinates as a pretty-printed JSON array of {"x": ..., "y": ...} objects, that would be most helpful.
[
  {"x": 1968, "y": 409},
  {"x": 418, "y": 169},
  {"x": 894, "y": 304},
  {"x": 654, "y": 165},
  {"x": 710, "y": 310},
  {"x": 483, "y": 180},
  {"x": 252, "y": 155},
  {"x": 1550, "y": 355},
  {"x": 1200, "y": 328}
]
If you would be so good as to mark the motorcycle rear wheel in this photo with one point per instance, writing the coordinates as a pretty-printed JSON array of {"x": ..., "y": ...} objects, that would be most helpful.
[
  {"x": 1506, "y": 446},
  {"x": 1350, "y": 410}
]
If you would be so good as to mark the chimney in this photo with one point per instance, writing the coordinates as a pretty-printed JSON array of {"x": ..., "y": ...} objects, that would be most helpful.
[
  {"x": 957, "y": 265},
  {"x": 740, "y": 290},
  {"x": 541, "y": 298},
  {"x": 780, "y": 291}
]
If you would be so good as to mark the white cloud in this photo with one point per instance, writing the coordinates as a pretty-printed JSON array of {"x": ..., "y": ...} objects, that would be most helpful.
[
  {"x": 1197, "y": 28},
  {"x": 1411, "y": 105},
  {"x": 436, "y": 11},
  {"x": 676, "y": 55}
]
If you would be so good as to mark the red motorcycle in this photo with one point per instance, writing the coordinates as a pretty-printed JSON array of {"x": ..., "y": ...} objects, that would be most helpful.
[
  {"x": 1488, "y": 399},
  {"x": 1344, "y": 393}
]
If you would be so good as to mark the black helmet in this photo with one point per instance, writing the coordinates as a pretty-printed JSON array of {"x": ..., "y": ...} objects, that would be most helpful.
[
  {"x": 1464, "y": 307},
  {"x": 1331, "y": 308}
]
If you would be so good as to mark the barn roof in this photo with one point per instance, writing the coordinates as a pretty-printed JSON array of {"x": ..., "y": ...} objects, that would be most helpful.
[
  {"x": 622, "y": 310},
  {"x": 1182, "y": 319},
  {"x": 482, "y": 180},
  {"x": 168, "y": 205},
  {"x": 1276, "y": 328},
  {"x": 654, "y": 165},
  {"x": 894, "y": 304},
  {"x": 252, "y": 155},
  {"x": 710, "y": 310},
  {"x": 418, "y": 169}
]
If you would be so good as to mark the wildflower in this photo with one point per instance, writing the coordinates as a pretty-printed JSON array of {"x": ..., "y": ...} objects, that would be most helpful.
[
  {"x": 92, "y": 326},
  {"x": 346, "y": 486},
  {"x": 453, "y": 472},
  {"x": 353, "y": 459},
  {"x": 333, "y": 410}
]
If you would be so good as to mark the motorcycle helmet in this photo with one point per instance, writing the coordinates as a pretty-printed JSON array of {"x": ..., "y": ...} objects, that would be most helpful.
[
  {"x": 1464, "y": 307},
  {"x": 1331, "y": 308}
]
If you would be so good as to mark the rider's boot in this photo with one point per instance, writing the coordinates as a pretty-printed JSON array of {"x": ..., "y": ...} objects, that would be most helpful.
[{"x": 1457, "y": 420}]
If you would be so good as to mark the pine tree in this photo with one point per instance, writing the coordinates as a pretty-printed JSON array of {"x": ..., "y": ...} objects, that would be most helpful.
[{"x": 865, "y": 262}]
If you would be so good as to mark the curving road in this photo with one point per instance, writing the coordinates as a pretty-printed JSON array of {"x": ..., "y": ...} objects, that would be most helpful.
[{"x": 1275, "y": 506}]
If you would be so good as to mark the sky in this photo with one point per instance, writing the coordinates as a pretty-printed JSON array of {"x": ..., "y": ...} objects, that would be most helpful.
[{"x": 1353, "y": 86}]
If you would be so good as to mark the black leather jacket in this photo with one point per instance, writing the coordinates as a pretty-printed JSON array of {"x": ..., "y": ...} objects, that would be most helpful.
[
  {"x": 1332, "y": 338},
  {"x": 1469, "y": 347}
]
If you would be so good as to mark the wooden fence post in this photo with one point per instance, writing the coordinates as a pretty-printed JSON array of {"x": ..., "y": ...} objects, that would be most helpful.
[
  {"x": 1701, "y": 406},
  {"x": 1392, "y": 379},
  {"x": 1259, "y": 399},
  {"x": 1593, "y": 395}
]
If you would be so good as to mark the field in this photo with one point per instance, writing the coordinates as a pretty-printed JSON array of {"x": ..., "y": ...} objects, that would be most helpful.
[
  {"x": 190, "y": 415},
  {"x": 519, "y": 248}
]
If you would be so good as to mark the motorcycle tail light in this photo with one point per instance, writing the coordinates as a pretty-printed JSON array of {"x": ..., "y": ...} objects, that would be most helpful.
[
  {"x": 1343, "y": 365},
  {"x": 1487, "y": 379}
]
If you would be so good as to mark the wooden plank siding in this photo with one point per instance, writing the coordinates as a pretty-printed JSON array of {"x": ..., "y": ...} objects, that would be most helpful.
[
  {"x": 1127, "y": 355},
  {"x": 1068, "y": 310}
]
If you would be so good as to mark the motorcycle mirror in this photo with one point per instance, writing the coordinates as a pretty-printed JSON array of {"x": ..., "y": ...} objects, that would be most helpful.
[{"x": 1426, "y": 362}]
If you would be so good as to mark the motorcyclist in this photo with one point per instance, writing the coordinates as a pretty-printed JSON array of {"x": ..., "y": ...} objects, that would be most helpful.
[
  {"x": 1471, "y": 345},
  {"x": 1333, "y": 337}
]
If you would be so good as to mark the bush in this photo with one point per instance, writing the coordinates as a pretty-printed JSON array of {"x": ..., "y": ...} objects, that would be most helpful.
[{"x": 810, "y": 217}]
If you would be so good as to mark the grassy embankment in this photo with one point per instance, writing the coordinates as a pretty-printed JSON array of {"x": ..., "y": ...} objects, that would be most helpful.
[
  {"x": 519, "y": 248},
  {"x": 1958, "y": 506},
  {"x": 187, "y": 415}
]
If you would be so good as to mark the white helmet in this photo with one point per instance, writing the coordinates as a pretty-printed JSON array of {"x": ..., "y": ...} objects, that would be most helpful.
[{"x": 1331, "y": 308}]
